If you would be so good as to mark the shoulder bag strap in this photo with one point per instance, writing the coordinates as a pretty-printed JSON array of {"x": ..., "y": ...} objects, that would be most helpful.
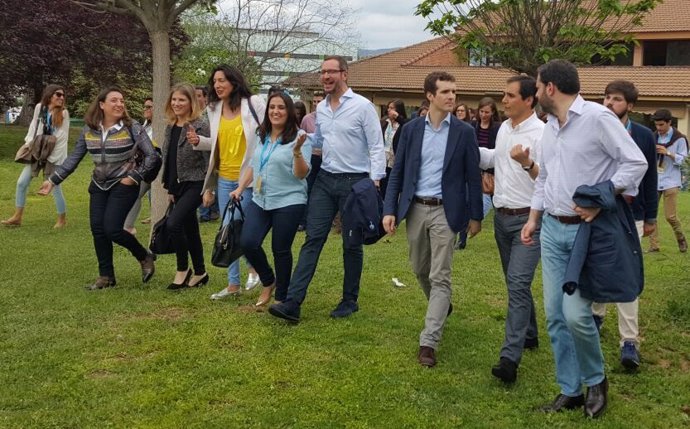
[{"x": 251, "y": 109}]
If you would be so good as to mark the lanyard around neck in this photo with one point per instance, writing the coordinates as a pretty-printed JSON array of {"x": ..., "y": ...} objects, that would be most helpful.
[{"x": 265, "y": 156}]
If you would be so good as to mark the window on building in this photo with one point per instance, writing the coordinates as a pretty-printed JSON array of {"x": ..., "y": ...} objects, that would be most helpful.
[{"x": 666, "y": 53}]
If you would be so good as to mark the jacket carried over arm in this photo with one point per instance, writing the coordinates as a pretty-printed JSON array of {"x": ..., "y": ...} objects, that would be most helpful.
[{"x": 606, "y": 260}]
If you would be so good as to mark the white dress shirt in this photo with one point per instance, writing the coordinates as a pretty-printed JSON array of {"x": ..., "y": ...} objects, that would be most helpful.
[
  {"x": 592, "y": 147},
  {"x": 513, "y": 185}
]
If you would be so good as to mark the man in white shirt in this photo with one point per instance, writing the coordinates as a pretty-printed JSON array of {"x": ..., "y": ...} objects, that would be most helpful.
[{"x": 516, "y": 168}]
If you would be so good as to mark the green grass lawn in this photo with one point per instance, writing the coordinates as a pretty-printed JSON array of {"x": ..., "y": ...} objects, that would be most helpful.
[{"x": 141, "y": 356}]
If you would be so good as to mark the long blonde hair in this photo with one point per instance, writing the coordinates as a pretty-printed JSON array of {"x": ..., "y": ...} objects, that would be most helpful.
[{"x": 188, "y": 91}]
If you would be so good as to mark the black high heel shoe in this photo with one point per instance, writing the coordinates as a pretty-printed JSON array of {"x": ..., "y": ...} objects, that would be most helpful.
[
  {"x": 201, "y": 281},
  {"x": 175, "y": 286}
]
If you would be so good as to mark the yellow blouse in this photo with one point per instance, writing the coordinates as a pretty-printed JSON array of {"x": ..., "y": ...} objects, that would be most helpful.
[{"x": 231, "y": 147}]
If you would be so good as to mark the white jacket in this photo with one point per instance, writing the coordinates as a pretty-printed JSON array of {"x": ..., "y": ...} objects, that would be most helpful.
[
  {"x": 249, "y": 125},
  {"x": 59, "y": 153}
]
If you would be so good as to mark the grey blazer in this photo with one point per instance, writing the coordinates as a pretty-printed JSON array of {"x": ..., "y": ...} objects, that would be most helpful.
[{"x": 191, "y": 164}]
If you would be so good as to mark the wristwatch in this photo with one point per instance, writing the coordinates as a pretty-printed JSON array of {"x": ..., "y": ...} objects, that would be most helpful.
[{"x": 531, "y": 166}]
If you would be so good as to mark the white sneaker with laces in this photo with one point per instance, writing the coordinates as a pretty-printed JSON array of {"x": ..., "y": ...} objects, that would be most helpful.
[{"x": 252, "y": 281}]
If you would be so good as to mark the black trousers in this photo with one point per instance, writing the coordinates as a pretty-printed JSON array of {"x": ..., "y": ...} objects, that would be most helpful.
[
  {"x": 183, "y": 226},
  {"x": 107, "y": 211}
]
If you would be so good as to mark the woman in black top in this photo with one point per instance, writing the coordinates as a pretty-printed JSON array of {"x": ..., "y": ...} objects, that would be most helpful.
[
  {"x": 486, "y": 126},
  {"x": 184, "y": 170}
]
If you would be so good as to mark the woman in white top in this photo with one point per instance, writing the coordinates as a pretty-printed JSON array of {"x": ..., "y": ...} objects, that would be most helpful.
[
  {"x": 234, "y": 115},
  {"x": 50, "y": 117}
]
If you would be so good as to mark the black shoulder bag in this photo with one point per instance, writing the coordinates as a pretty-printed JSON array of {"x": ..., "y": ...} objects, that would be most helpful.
[{"x": 226, "y": 246}]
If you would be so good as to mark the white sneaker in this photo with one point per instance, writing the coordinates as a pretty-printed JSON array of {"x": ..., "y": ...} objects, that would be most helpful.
[
  {"x": 252, "y": 281},
  {"x": 225, "y": 293}
]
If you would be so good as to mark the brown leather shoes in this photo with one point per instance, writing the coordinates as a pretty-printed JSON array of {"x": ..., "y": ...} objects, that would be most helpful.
[
  {"x": 426, "y": 356},
  {"x": 682, "y": 245},
  {"x": 102, "y": 282}
]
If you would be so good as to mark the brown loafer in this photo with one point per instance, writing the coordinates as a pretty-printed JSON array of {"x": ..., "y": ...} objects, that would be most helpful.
[
  {"x": 426, "y": 356},
  {"x": 682, "y": 245},
  {"x": 102, "y": 282}
]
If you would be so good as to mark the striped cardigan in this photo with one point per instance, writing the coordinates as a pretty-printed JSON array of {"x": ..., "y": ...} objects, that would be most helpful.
[{"x": 111, "y": 156}]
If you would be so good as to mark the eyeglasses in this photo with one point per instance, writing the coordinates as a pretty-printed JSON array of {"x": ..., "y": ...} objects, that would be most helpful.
[
  {"x": 147, "y": 107},
  {"x": 59, "y": 94},
  {"x": 331, "y": 72}
]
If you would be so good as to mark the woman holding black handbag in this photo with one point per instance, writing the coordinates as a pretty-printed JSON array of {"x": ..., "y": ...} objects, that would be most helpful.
[
  {"x": 50, "y": 117},
  {"x": 111, "y": 137},
  {"x": 234, "y": 114},
  {"x": 278, "y": 172},
  {"x": 184, "y": 169}
]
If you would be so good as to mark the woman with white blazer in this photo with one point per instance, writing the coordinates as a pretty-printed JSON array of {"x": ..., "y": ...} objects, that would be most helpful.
[{"x": 234, "y": 115}]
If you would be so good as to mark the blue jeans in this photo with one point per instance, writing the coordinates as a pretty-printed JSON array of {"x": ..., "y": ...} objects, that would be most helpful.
[
  {"x": 574, "y": 337},
  {"x": 226, "y": 186},
  {"x": 283, "y": 222},
  {"x": 23, "y": 189},
  {"x": 487, "y": 204},
  {"x": 327, "y": 198}
]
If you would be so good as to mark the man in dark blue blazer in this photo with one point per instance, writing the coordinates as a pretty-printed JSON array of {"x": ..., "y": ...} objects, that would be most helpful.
[
  {"x": 620, "y": 97},
  {"x": 436, "y": 164}
]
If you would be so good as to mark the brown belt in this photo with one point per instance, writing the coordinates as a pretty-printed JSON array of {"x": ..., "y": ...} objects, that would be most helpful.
[
  {"x": 513, "y": 212},
  {"x": 568, "y": 220},
  {"x": 428, "y": 201}
]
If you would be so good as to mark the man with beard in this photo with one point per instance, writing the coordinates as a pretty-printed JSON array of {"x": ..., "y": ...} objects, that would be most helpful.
[
  {"x": 349, "y": 133},
  {"x": 620, "y": 97},
  {"x": 584, "y": 143}
]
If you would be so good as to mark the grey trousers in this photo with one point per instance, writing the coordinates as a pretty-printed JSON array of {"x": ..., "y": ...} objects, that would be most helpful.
[
  {"x": 519, "y": 262},
  {"x": 431, "y": 243}
]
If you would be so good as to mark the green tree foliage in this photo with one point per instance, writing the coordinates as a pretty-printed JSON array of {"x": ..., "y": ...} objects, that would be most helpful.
[{"x": 523, "y": 34}]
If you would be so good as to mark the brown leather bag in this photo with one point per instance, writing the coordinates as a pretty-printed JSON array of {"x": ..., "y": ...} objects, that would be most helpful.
[{"x": 488, "y": 183}]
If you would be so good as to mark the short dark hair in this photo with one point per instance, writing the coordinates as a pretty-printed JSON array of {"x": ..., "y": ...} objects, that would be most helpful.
[
  {"x": 662, "y": 115},
  {"x": 342, "y": 63},
  {"x": 203, "y": 89},
  {"x": 291, "y": 126},
  {"x": 148, "y": 99},
  {"x": 625, "y": 87},
  {"x": 433, "y": 77},
  {"x": 562, "y": 74},
  {"x": 240, "y": 88},
  {"x": 528, "y": 87}
]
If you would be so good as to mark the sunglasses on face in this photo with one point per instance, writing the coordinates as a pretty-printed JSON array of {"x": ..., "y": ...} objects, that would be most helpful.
[
  {"x": 148, "y": 107},
  {"x": 59, "y": 94}
]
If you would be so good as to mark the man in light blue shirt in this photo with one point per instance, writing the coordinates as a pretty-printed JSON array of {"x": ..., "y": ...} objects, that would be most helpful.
[
  {"x": 437, "y": 163},
  {"x": 349, "y": 133},
  {"x": 671, "y": 150},
  {"x": 584, "y": 143}
]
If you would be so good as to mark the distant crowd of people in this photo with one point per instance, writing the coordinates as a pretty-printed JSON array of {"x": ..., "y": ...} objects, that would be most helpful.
[{"x": 576, "y": 186}]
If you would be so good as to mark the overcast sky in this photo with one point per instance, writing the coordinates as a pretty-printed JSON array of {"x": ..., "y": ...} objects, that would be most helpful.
[{"x": 388, "y": 23}]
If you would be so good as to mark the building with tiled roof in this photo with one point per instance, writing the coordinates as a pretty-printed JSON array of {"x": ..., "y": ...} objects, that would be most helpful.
[{"x": 659, "y": 65}]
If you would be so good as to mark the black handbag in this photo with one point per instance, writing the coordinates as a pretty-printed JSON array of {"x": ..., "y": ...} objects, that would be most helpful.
[
  {"x": 226, "y": 246},
  {"x": 161, "y": 240}
]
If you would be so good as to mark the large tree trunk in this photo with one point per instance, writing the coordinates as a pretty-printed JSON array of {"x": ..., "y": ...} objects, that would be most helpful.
[
  {"x": 161, "y": 85},
  {"x": 27, "y": 112}
]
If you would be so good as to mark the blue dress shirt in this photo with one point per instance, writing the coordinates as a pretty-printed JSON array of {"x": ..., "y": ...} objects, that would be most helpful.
[{"x": 433, "y": 152}]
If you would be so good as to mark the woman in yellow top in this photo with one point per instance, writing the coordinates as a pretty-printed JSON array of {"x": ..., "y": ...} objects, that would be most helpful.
[{"x": 234, "y": 115}]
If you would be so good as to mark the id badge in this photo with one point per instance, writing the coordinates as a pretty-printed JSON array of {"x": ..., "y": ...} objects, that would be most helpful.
[{"x": 257, "y": 184}]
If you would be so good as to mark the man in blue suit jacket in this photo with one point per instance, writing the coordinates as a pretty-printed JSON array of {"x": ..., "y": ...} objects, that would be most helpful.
[
  {"x": 620, "y": 97},
  {"x": 437, "y": 162}
]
